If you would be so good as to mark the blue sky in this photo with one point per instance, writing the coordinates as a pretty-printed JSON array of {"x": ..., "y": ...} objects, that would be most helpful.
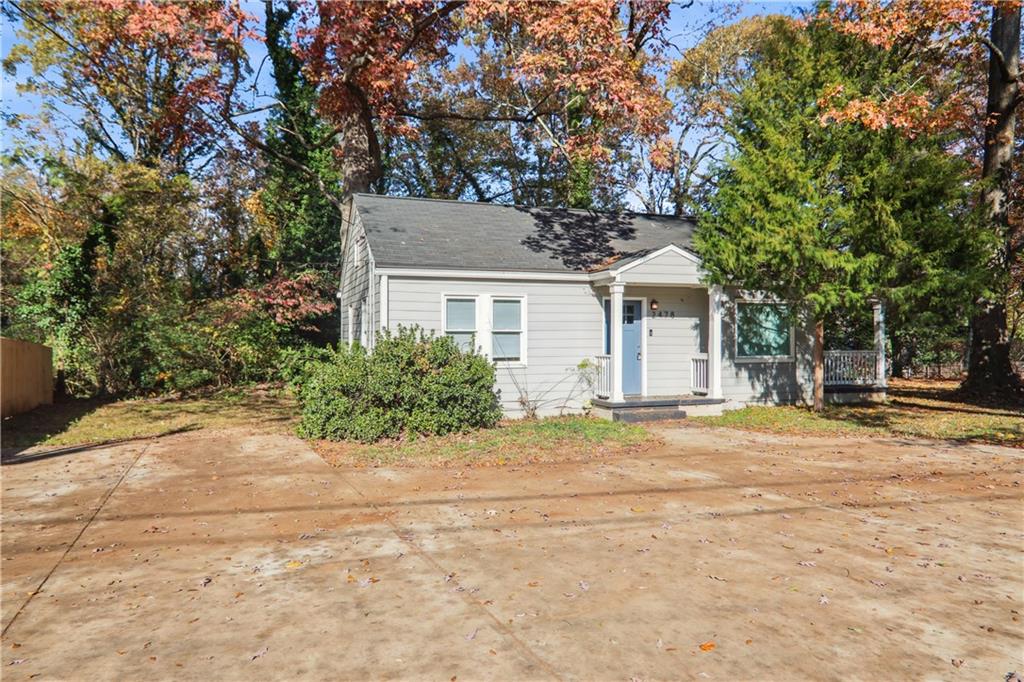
[{"x": 684, "y": 30}]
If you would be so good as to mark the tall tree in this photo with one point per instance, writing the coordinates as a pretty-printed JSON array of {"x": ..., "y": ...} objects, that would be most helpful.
[
  {"x": 305, "y": 223},
  {"x": 989, "y": 363},
  {"x": 134, "y": 76},
  {"x": 828, "y": 216},
  {"x": 365, "y": 60},
  {"x": 949, "y": 44}
]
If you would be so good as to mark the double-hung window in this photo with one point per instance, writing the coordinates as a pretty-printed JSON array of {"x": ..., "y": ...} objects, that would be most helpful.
[
  {"x": 460, "y": 321},
  {"x": 507, "y": 329},
  {"x": 763, "y": 330}
]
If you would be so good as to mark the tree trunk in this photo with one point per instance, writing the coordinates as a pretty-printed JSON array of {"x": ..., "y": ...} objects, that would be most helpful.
[
  {"x": 361, "y": 155},
  {"x": 989, "y": 369},
  {"x": 819, "y": 365}
]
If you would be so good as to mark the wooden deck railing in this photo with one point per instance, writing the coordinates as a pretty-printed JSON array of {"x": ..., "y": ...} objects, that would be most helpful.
[
  {"x": 603, "y": 388},
  {"x": 699, "y": 373},
  {"x": 851, "y": 367}
]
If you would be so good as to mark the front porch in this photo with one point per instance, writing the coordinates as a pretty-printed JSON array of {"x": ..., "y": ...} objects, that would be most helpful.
[{"x": 673, "y": 345}]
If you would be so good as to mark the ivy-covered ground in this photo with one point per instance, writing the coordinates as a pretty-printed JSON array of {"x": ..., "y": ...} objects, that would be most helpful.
[{"x": 921, "y": 409}]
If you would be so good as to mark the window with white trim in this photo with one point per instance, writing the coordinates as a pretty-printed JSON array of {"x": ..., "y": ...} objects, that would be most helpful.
[
  {"x": 763, "y": 330},
  {"x": 460, "y": 321},
  {"x": 507, "y": 329}
]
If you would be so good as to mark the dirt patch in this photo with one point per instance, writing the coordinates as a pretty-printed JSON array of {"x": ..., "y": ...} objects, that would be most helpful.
[{"x": 719, "y": 555}]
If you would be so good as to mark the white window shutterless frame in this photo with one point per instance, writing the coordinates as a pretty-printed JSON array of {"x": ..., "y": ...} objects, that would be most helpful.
[
  {"x": 508, "y": 329},
  {"x": 460, "y": 322}
]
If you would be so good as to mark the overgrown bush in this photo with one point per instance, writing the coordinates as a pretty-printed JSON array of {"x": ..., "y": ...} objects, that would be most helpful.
[{"x": 411, "y": 384}]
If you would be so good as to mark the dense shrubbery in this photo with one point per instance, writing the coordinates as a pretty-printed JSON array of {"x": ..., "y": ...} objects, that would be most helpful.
[{"x": 411, "y": 384}]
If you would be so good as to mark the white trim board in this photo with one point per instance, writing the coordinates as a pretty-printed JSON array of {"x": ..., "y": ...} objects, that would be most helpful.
[{"x": 643, "y": 333}]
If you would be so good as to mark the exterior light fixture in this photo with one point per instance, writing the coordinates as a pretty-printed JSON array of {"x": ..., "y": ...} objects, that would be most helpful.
[{"x": 654, "y": 304}]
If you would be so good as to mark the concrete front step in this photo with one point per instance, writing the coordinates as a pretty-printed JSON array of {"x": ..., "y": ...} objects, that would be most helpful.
[{"x": 638, "y": 409}]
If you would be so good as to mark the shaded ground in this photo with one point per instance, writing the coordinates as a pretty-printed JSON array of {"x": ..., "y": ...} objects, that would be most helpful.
[
  {"x": 722, "y": 555},
  {"x": 916, "y": 408},
  {"x": 82, "y": 422}
]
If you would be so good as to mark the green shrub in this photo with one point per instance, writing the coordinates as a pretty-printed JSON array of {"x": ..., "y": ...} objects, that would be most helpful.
[
  {"x": 297, "y": 362},
  {"x": 411, "y": 384}
]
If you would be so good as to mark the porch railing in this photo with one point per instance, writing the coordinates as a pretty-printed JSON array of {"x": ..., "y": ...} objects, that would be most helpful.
[
  {"x": 851, "y": 367},
  {"x": 603, "y": 387},
  {"x": 699, "y": 373}
]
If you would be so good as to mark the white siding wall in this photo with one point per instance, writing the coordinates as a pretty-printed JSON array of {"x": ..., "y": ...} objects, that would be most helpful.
[
  {"x": 773, "y": 382},
  {"x": 563, "y": 326},
  {"x": 355, "y": 286},
  {"x": 667, "y": 268}
]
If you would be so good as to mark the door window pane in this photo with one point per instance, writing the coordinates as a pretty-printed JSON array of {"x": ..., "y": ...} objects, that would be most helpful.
[{"x": 762, "y": 330}]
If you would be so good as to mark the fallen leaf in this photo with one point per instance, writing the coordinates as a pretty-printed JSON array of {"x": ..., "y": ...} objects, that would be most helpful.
[
  {"x": 532, "y": 583},
  {"x": 471, "y": 636},
  {"x": 259, "y": 654},
  {"x": 823, "y": 600},
  {"x": 707, "y": 646},
  {"x": 957, "y": 662},
  {"x": 293, "y": 564}
]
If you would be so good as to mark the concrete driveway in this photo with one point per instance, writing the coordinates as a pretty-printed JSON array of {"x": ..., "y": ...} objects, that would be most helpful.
[{"x": 233, "y": 555}]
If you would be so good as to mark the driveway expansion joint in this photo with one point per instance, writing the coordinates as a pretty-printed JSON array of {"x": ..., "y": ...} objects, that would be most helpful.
[{"x": 71, "y": 545}]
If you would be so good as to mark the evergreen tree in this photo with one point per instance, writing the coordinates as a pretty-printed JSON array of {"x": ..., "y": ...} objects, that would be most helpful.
[
  {"x": 305, "y": 223},
  {"x": 827, "y": 215}
]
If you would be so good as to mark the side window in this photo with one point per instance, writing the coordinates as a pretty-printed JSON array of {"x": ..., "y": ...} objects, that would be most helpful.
[
  {"x": 460, "y": 321},
  {"x": 507, "y": 332},
  {"x": 763, "y": 330}
]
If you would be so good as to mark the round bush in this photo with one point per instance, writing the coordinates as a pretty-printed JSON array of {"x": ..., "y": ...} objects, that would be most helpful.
[{"x": 411, "y": 384}]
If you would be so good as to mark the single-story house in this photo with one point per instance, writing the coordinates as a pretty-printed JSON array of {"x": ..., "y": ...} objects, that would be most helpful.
[{"x": 580, "y": 309}]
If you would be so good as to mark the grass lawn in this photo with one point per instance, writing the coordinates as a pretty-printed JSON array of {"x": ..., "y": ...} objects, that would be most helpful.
[
  {"x": 81, "y": 422},
  {"x": 923, "y": 409},
  {"x": 511, "y": 442}
]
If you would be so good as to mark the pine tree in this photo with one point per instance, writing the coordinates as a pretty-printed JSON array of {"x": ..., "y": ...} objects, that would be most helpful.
[{"x": 827, "y": 215}]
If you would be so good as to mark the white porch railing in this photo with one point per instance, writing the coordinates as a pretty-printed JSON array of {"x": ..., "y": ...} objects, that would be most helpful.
[
  {"x": 699, "y": 373},
  {"x": 851, "y": 367},
  {"x": 603, "y": 387}
]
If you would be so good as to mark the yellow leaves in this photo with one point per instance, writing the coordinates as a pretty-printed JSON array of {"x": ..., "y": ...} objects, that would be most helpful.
[
  {"x": 708, "y": 646},
  {"x": 292, "y": 565}
]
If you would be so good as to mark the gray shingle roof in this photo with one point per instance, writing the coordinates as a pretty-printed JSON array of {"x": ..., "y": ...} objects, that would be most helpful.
[{"x": 431, "y": 233}]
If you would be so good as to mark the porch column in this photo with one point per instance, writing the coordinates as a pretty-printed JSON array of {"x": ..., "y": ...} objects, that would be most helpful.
[
  {"x": 878, "y": 310},
  {"x": 715, "y": 303},
  {"x": 617, "y": 290}
]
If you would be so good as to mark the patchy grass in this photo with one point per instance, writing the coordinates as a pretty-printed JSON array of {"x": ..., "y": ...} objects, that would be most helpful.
[
  {"x": 511, "y": 442},
  {"x": 84, "y": 422},
  {"x": 922, "y": 409}
]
